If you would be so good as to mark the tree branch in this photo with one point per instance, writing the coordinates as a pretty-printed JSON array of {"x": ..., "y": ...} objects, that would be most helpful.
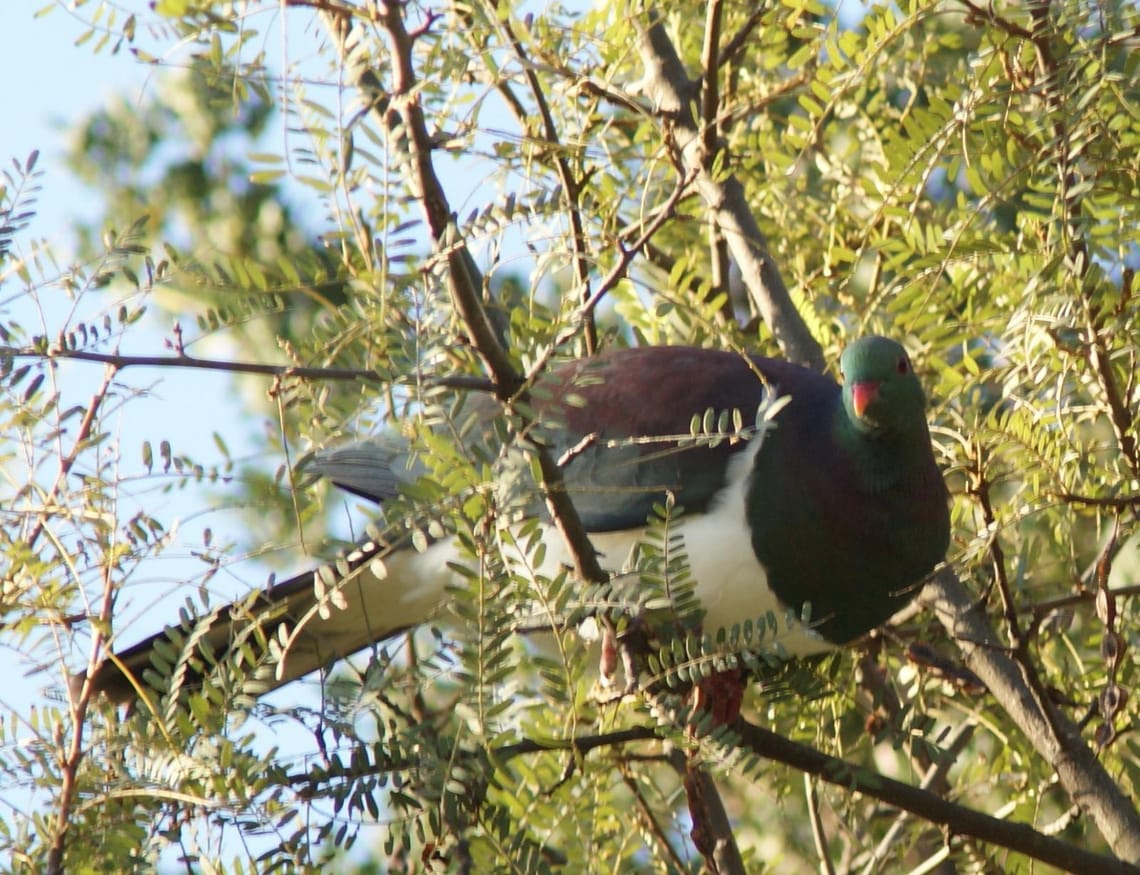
[
  {"x": 402, "y": 116},
  {"x": 1113, "y": 502},
  {"x": 118, "y": 361},
  {"x": 571, "y": 184},
  {"x": 71, "y": 761},
  {"x": 1080, "y": 772},
  {"x": 739, "y": 40},
  {"x": 958, "y": 819},
  {"x": 668, "y": 86},
  {"x": 712, "y": 830},
  {"x": 626, "y": 254}
]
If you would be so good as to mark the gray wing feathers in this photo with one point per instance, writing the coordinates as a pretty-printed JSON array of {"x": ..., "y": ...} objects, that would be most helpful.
[{"x": 374, "y": 468}]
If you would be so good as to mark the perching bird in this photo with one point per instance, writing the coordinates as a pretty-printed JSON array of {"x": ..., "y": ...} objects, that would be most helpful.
[{"x": 837, "y": 511}]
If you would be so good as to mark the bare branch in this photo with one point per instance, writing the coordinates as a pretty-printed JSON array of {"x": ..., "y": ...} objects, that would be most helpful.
[
  {"x": 819, "y": 836},
  {"x": 1085, "y": 597},
  {"x": 710, "y": 83},
  {"x": 619, "y": 270},
  {"x": 712, "y": 830},
  {"x": 740, "y": 39},
  {"x": 402, "y": 114},
  {"x": 1114, "y": 502},
  {"x": 671, "y": 91},
  {"x": 1080, "y": 772},
  {"x": 960, "y": 820},
  {"x": 118, "y": 361}
]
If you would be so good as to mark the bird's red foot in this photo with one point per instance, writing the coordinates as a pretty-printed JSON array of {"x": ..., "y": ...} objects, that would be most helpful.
[{"x": 721, "y": 695}]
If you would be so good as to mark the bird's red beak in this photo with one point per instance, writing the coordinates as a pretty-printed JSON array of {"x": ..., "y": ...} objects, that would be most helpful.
[{"x": 863, "y": 394}]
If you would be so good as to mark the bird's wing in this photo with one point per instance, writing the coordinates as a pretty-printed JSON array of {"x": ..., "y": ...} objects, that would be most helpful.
[
  {"x": 373, "y": 468},
  {"x": 621, "y": 424}
]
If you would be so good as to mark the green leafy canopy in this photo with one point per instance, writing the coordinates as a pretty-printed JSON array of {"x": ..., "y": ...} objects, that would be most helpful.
[{"x": 411, "y": 203}]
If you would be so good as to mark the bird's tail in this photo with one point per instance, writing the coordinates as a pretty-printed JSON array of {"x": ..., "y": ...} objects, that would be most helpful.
[{"x": 289, "y": 629}]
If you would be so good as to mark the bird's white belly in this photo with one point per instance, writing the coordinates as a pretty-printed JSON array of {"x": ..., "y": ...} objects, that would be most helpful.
[
  {"x": 729, "y": 580},
  {"x": 730, "y": 583}
]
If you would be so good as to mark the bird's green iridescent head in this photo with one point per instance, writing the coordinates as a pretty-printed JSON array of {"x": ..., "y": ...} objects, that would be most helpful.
[{"x": 881, "y": 393}]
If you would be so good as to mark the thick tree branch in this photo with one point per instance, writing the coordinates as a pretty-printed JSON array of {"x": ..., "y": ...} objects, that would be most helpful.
[
  {"x": 712, "y": 829},
  {"x": 710, "y": 82},
  {"x": 958, "y": 819},
  {"x": 671, "y": 91},
  {"x": 1080, "y": 772},
  {"x": 402, "y": 116},
  {"x": 711, "y": 144}
]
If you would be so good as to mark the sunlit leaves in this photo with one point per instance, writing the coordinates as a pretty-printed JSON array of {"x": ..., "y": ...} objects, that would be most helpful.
[{"x": 918, "y": 170}]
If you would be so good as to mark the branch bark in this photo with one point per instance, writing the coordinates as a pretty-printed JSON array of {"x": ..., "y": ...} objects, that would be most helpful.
[
  {"x": 119, "y": 361},
  {"x": 401, "y": 114},
  {"x": 958, "y": 819},
  {"x": 712, "y": 829},
  {"x": 673, "y": 95},
  {"x": 1085, "y": 780}
]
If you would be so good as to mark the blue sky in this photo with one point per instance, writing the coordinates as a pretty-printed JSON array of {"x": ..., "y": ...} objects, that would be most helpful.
[
  {"x": 70, "y": 82},
  {"x": 64, "y": 83},
  {"x": 185, "y": 406}
]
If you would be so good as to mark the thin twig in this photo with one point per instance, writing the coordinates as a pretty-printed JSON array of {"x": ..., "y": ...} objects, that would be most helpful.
[
  {"x": 627, "y": 254},
  {"x": 67, "y": 462},
  {"x": 647, "y": 816},
  {"x": 1078, "y": 598},
  {"x": 711, "y": 143},
  {"x": 818, "y": 834},
  {"x": 935, "y": 776},
  {"x": 1113, "y": 502},
  {"x": 739, "y": 39},
  {"x": 119, "y": 361},
  {"x": 980, "y": 489},
  {"x": 571, "y": 184}
]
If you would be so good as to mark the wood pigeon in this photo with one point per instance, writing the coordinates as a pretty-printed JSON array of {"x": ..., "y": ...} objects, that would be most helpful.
[{"x": 835, "y": 510}]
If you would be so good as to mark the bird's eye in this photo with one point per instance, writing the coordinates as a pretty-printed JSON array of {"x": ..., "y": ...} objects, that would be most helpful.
[{"x": 904, "y": 365}]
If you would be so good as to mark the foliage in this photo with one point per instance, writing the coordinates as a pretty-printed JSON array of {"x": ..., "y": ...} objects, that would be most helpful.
[{"x": 501, "y": 187}]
